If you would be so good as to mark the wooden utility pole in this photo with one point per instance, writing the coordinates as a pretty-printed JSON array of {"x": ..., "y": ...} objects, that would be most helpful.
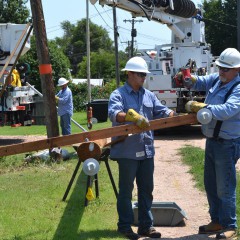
[
  {"x": 116, "y": 44},
  {"x": 133, "y": 33},
  {"x": 121, "y": 130},
  {"x": 45, "y": 69},
  {"x": 88, "y": 52}
]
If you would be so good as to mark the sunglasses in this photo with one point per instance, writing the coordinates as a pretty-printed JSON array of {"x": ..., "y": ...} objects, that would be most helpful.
[
  {"x": 140, "y": 74},
  {"x": 224, "y": 69}
]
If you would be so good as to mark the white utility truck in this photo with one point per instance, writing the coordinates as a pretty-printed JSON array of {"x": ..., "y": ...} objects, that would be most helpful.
[
  {"x": 17, "y": 98},
  {"x": 188, "y": 47}
]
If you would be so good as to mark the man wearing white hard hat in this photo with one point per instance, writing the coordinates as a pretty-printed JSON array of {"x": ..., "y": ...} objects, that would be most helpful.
[
  {"x": 222, "y": 141},
  {"x": 65, "y": 105},
  {"x": 135, "y": 155}
]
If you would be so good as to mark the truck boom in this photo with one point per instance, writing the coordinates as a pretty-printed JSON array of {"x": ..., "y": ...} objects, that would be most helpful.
[{"x": 188, "y": 47}]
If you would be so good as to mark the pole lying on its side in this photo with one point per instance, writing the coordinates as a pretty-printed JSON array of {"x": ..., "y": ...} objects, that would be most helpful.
[
  {"x": 40, "y": 94},
  {"x": 121, "y": 130}
]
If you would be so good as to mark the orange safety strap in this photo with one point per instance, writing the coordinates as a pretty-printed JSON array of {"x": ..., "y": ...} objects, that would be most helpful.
[{"x": 45, "y": 69}]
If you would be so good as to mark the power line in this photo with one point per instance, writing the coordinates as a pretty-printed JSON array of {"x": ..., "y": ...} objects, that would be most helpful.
[{"x": 226, "y": 24}]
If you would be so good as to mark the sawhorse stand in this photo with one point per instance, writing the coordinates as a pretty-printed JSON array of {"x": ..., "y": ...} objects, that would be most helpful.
[{"x": 98, "y": 155}]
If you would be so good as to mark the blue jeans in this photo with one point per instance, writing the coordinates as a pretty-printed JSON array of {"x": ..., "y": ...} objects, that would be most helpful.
[
  {"x": 142, "y": 170},
  {"x": 220, "y": 180},
  {"x": 65, "y": 123}
]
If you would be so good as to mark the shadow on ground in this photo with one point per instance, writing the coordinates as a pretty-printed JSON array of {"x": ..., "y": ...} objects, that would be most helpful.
[
  {"x": 9, "y": 141},
  {"x": 179, "y": 133}
]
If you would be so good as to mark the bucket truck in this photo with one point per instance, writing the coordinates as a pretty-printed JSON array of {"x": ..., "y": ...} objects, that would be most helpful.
[
  {"x": 16, "y": 98},
  {"x": 188, "y": 48}
]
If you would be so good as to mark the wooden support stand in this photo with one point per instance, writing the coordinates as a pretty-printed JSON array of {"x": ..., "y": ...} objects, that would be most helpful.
[{"x": 91, "y": 150}]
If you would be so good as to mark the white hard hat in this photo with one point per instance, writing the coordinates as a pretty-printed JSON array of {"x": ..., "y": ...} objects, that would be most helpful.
[
  {"x": 62, "y": 81},
  {"x": 136, "y": 64},
  {"x": 229, "y": 58}
]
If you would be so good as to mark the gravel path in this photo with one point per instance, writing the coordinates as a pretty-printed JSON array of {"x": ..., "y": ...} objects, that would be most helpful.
[{"x": 174, "y": 183}]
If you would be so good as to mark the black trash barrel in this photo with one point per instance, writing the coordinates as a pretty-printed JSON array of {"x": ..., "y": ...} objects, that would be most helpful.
[{"x": 100, "y": 109}]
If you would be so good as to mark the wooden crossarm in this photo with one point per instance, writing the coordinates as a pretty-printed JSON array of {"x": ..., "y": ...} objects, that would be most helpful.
[{"x": 95, "y": 135}]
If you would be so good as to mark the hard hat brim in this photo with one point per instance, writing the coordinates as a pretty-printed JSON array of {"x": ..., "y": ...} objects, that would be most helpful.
[
  {"x": 134, "y": 70},
  {"x": 224, "y": 64},
  {"x": 59, "y": 85}
]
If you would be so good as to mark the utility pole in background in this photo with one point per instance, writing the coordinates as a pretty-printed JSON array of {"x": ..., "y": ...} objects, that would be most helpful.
[
  {"x": 45, "y": 69},
  {"x": 88, "y": 52},
  {"x": 116, "y": 44},
  {"x": 128, "y": 48},
  {"x": 133, "y": 32},
  {"x": 238, "y": 24}
]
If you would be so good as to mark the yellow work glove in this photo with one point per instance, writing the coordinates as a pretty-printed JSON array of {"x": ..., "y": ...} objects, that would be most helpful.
[
  {"x": 194, "y": 106},
  {"x": 188, "y": 82},
  {"x": 56, "y": 98},
  {"x": 90, "y": 195},
  {"x": 133, "y": 116}
]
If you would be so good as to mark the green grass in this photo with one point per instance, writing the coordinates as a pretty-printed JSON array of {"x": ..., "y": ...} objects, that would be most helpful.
[
  {"x": 80, "y": 118},
  {"x": 31, "y": 205},
  {"x": 194, "y": 157}
]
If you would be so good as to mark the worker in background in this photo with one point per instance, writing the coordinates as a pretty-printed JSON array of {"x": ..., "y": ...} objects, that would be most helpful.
[
  {"x": 222, "y": 143},
  {"x": 65, "y": 106},
  {"x": 23, "y": 70},
  {"x": 15, "y": 79},
  {"x": 135, "y": 154}
]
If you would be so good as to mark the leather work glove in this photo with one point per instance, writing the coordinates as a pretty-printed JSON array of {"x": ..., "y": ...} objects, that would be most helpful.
[
  {"x": 186, "y": 81},
  {"x": 56, "y": 98},
  {"x": 194, "y": 106},
  {"x": 133, "y": 116},
  {"x": 189, "y": 81}
]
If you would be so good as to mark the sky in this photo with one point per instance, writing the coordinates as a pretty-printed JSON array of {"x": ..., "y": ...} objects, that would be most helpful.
[{"x": 149, "y": 33}]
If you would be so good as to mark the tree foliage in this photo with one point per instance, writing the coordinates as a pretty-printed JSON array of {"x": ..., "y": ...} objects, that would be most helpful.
[
  {"x": 221, "y": 24},
  {"x": 80, "y": 93},
  {"x": 60, "y": 63},
  {"x": 74, "y": 41},
  {"x": 13, "y": 11},
  {"x": 102, "y": 65}
]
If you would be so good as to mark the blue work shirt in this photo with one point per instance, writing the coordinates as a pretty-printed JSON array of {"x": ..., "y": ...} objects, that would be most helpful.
[
  {"x": 65, "y": 102},
  {"x": 138, "y": 146},
  {"x": 228, "y": 112}
]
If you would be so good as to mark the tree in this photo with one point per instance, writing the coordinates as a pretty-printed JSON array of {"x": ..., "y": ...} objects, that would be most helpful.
[
  {"x": 74, "y": 41},
  {"x": 60, "y": 63},
  {"x": 221, "y": 24},
  {"x": 14, "y": 11},
  {"x": 102, "y": 65}
]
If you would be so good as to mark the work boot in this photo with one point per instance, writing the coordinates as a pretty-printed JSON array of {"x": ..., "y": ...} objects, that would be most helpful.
[
  {"x": 130, "y": 234},
  {"x": 210, "y": 228},
  {"x": 227, "y": 234},
  {"x": 151, "y": 233}
]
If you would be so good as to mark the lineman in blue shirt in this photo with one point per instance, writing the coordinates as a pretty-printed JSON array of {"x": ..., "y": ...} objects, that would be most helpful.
[
  {"x": 222, "y": 143},
  {"x": 133, "y": 103},
  {"x": 65, "y": 106}
]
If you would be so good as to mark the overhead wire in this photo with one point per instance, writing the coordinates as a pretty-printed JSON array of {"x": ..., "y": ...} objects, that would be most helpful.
[
  {"x": 120, "y": 28},
  {"x": 226, "y": 24}
]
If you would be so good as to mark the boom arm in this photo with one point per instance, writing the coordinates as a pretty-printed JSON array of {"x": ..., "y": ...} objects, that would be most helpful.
[{"x": 167, "y": 12}]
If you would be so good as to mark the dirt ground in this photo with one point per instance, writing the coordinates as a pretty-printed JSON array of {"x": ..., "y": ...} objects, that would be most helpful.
[{"x": 173, "y": 182}]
